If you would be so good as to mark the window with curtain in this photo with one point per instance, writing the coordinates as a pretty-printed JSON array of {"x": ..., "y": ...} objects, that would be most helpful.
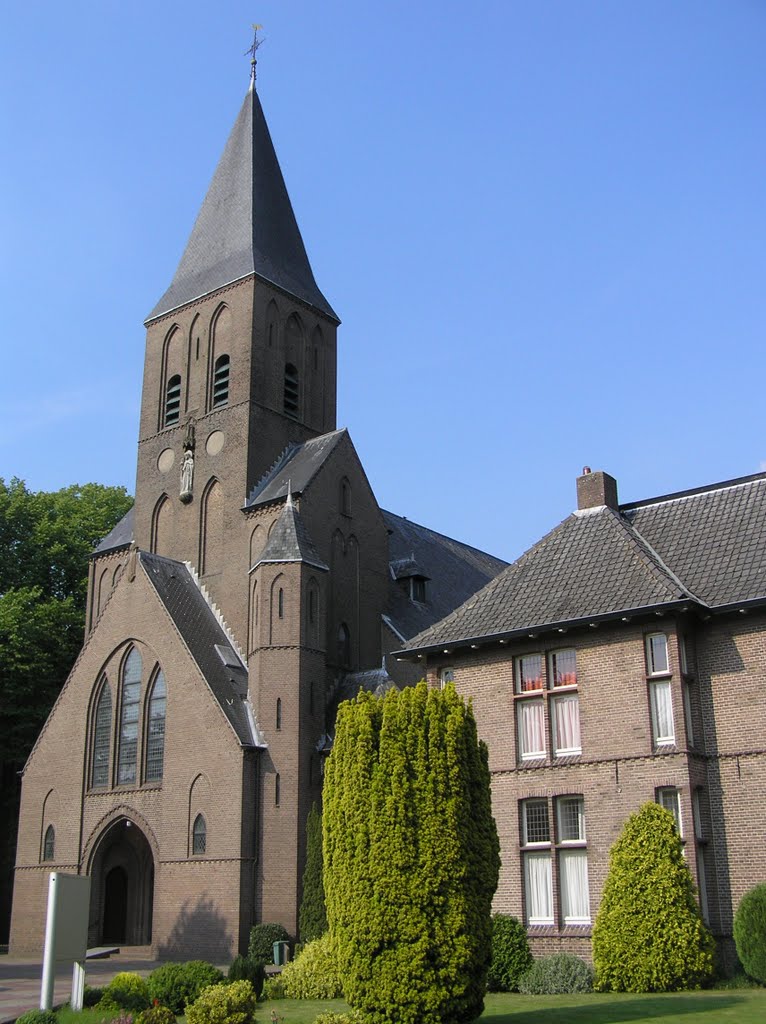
[
  {"x": 563, "y": 668},
  {"x": 102, "y": 737},
  {"x": 130, "y": 697},
  {"x": 531, "y": 728},
  {"x": 529, "y": 673},
  {"x": 663, "y": 728},
  {"x": 572, "y": 860},
  {"x": 547, "y": 678},
  {"x": 568, "y": 870},
  {"x": 538, "y": 874},
  {"x": 670, "y": 798},
  {"x": 565, "y": 722},
  {"x": 155, "y": 730}
]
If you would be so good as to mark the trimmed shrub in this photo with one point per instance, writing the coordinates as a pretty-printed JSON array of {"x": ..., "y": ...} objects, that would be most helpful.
[
  {"x": 245, "y": 969},
  {"x": 312, "y": 919},
  {"x": 232, "y": 1003},
  {"x": 156, "y": 1015},
  {"x": 314, "y": 975},
  {"x": 511, "y": 957},
  {"x": 273, "y": 988},
  {"x": 107, "y": 1005},
  {"x": 649, "y": 935},
  {"x": 175, "y": 985},
  {"x": 262, "y": 939},
  {"x": 91, "y": 996},
  {"x": 37, "y": 1017},
  {"x": 750, "y": 932},
  {"x": 559, "y": 974},
  {"x": 129, "y": 991},
  {"x": 338, "y": 1018}
]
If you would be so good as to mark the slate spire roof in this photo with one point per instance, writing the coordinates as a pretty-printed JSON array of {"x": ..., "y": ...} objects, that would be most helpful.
[
  {"x": 703, "y": 548},
  {"x": 246, "y": 224},
  {"x": 289, "y": 540}
]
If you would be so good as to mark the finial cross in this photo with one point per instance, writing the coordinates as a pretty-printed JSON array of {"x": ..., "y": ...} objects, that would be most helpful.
[{"x": 253, "y": 50}]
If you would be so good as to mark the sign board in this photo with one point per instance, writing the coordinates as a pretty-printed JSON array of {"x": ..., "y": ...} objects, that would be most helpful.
[{"x": 66, "y": 927}]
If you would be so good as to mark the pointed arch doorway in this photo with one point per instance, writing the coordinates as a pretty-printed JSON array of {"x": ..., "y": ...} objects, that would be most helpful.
[{"x": 122, "y": 887}]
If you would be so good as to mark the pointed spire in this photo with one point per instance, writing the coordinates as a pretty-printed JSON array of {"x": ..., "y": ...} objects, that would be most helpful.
[
  {"x": 289, "y": 502},
  {"x": 289, "y": 540},
  {"x": 246, "y": 224}
]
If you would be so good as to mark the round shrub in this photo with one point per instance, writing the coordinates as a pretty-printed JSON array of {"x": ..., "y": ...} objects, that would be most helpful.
[
  {"x": 273, "y": 988},
  {"x": 91, "y": 996},
  {"x": 262, "y": 939},
  {"x": 37, "y": 1017},
  {"x": 232, "y": 1003},
  {"x": 156, "y": 1015},
  {"x": 175, "y": 985},
  {"x": 559, "y": 974},
  {"x": 245, "y": 969},
  {"x": 510, "y": 954},
  {"x": 750, "y": 932},
  {"x": 129, "y": 991},
  {"x": 314, "y": 974},
  {"x": 649, "y": 935}
]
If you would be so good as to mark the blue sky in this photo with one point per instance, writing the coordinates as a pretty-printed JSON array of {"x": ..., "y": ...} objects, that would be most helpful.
[{"x": 542, "y": 224}]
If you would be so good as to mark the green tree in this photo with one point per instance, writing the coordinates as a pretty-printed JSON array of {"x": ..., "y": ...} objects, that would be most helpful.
[
  {"x": 750, "y": 932},
  {"x": 45, "y": 541},
  {"x": 649, "y": 935},
  {"x": 312, "y": 919},
  {"x": 411, "y": 856}
]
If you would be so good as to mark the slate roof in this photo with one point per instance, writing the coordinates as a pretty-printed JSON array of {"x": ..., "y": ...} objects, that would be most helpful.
[
  {"x": 705, "y": 547},
  {"x": 454, "y": 570},
  {"x": 295, "y": 468},
  {"x": 205, "y": 638},
  {"x": 246, "y": 224},
  {"x": 120, "y": 536},
  {"x": 289, "y": 541}
]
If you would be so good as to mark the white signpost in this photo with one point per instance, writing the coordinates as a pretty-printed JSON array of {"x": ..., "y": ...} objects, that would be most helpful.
[{"x": 66, "y": 934}]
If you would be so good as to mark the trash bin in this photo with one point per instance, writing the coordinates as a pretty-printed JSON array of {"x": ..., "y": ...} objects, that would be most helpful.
[{"x": 281, "y": 953}]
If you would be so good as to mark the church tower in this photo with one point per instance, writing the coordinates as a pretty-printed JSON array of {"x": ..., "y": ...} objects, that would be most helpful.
[{"x": 240, "y": 363}]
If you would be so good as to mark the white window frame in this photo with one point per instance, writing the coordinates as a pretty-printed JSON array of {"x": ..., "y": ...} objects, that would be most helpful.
[
  {"x": 518, "y": 674},
  {"x": 671, "y": 795},
  {"x": 552, "y": 657},
  {"x": 651, "y": 669},
  {"x": 570, "y": 854},
  {"x": 570, "y": 696},
  {"x": 661, "y": 739},
  {"x": 530, "y": 755},
  {"x": 446, "y": 675},
  {"x": 538, "y": 856},
  {"x": 525, "y": 806},
  {"x": 560, "y": 802}
]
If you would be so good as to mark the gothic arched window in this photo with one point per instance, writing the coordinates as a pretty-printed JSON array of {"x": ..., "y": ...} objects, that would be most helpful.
[
  {"x": 291, "y": 391},
  {"x": 279, "y": 712},
  {"x": 221, "y": 382},
  {"x": 49, "y": 843},
  {"x": 344, "y": 646},
  {"x": 130, "y": 697},
  {"x": 199, "y": 835},
  {"x": 102, "y": 730},
  {"x": 173, "y": 400},
  {"x": 155, "y": 730}
]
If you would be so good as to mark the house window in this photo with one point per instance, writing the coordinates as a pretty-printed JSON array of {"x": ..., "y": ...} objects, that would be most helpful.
[
  {"x": 155, "y": 733},
  {"x": 663, "y": 728},
  {"x": 49, "y": 843},
  {"x": 683, "y": 657},
  {"x": 344, "y": 646},
  {"x": 221, "y": 382},
  {"x": 554, "y": 680},
  {"x": 686, "y": 693},
  {"x": 173, "y": 400},
  {"x": 670, "y": 798},
  {"x": 281, "y": 603},
  {"x": 291, "y": 391},
  {"x": 657, "y": 655},
  {"x": 279, "y": 713},
  {"x": 446, "y": 675},
  {"x": 571, "y": 862},
  {"x": 312, "y": 605},
  {"x": 199, "y": 836},
  {"x": 529, "y": 673},
  {"x": 538, "y": 874},
  {"x": 130, "y": 694},
  {"x": 418, "y": 588},
  {"x": 102, "y": 735}
]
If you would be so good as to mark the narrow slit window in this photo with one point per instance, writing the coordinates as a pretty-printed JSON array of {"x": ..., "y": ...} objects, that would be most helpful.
[
  {"x": 291, "y": 391},
  {"x": 173, "y": 401},
  {"x": 277, "y": 788},
  {"x": 281, "y": 603},
  {"x": 130, "y": 695},
  {"x": 199, "y": 836},
  {"x": 221, "y": 382},
  {"x": 279, "y": 713}
]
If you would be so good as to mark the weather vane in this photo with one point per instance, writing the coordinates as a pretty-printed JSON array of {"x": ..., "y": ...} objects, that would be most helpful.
[{"x": 253, "y": 50}]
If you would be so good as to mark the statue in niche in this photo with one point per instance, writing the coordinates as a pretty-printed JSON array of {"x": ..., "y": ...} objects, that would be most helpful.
[
  {"x": 187, "y": 463},
  {"x": 187, "y": 476}
]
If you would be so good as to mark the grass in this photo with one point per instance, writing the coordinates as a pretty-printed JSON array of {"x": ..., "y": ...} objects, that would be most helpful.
[
  {"x": 738, "y": 1006},
  {"x": 743, "y": 1006}
]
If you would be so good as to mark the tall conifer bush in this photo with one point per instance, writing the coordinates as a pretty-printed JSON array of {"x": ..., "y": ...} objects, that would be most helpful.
[
  {"x": 649, "y": 935},
  {"x": 312, "y": 919},
  {"x": 411, "y": 856}
]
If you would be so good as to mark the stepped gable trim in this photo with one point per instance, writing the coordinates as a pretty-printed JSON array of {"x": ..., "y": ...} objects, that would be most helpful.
[
  {"x": 723, "y": 485},
  {"x": 281, "y": 460},
  {"x": 220, "y": 623}
]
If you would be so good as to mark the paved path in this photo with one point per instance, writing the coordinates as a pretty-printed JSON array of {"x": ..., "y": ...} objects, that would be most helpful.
[{"x": 20, "y": 980}]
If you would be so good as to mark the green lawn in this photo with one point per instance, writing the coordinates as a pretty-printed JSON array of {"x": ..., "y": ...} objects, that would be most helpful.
[{"x": 742, "y": 1006}]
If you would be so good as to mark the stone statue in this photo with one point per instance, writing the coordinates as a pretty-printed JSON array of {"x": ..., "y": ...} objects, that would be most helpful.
[{"x": 187, "y": 475}]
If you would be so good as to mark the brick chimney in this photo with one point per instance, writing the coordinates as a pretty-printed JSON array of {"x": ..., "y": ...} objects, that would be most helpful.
[{"x": 595, "y": 489}]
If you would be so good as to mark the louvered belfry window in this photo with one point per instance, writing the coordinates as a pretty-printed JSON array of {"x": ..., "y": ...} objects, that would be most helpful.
[
  {"x": 173, "y": 401},
  {"x": 291, "y": 391},
  {"x": 221, "y": 382},
  {"x": 155, "y": 735}
]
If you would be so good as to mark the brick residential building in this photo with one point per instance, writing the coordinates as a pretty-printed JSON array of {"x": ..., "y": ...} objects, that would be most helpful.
[
  {"x": 621, "y": 659},
  {"x": 255, "y": 583}
]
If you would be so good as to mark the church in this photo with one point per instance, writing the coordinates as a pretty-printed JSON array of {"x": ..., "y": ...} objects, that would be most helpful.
[{"x": 254, "y": 585}]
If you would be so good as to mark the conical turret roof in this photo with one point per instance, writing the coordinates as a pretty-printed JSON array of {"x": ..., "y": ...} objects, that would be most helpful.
[
  {"x": 246, "y": 224},
  {"x": 289, "y": 540}
]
